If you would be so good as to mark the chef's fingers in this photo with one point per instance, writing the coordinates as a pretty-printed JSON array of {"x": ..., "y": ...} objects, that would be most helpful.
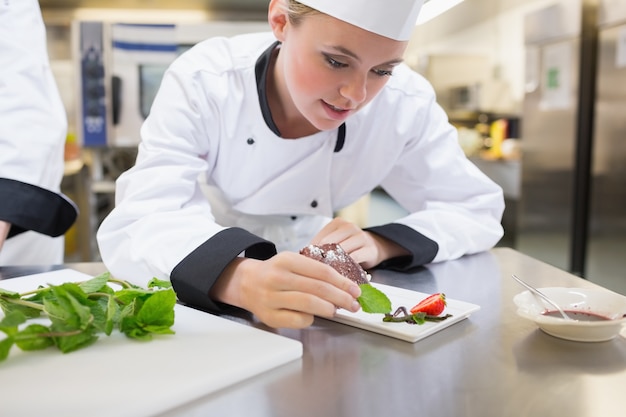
[
  {"x": 366, "y": 256},
  {"x": 296, "y": 309},
  {"x": 290, "y": 281},
  {"x": 371, "y": 249},
  {"x": 288, "y": 269},
  {"x": 362, "y": 246},
  {"x": 337, "y": 231},
  {"x": 321, "y": 281},
  {"x": 367, "y": 249},
  {"x": 319, "y": 297},
  {"x": 287, "y": 319},
  {"x": 303, "y": 304},
  {"x": 363, "y": 252}
]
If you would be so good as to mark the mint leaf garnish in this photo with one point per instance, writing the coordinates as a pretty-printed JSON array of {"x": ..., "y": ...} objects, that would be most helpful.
[{"x": 372, "y": 300}]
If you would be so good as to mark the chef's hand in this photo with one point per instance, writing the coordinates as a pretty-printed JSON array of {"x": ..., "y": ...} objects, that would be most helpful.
[
  {"x": 287, "y": 290},
  {"x": 367, "y": 249}
]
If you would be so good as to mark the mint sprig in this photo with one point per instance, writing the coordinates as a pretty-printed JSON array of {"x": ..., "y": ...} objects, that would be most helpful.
[
  {"x": 80, "y": 312},
  {"x": 372, "y": 300}
]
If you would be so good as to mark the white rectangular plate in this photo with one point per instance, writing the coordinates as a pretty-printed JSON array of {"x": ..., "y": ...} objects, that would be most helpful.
[
  {"x": 408, "y": 332},
  {"x": 121, "y": 377}
]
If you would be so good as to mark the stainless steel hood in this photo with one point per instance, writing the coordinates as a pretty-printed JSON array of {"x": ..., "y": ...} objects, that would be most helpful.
[
  {"x": 238, "y": 9},
  {"x": 62, "y": 12},
  {"x": 215, "y": 5}
]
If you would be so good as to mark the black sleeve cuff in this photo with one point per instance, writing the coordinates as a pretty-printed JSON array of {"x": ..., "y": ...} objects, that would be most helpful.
[
  {"x": 423, "y": 250},
  {"x": 29, "y": 207},
  {"x": 194, "y": 276}
]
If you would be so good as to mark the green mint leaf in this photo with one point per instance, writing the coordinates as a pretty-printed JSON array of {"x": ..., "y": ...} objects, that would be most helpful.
[
  {"x": 5, "y": 347},
  {"x": 99, "y": 311},
  {"x": 8, "y": 294},
  {"x": 130, "y": 295},
  {"x": 132, "y": 328},
  {"x": 82, "y": 312},
  {"x": 30, "y": 338},
  {"x": 67, "y": 344},
  {"x": 71, "y": 289},
  {"x": 9, "y": 323},
  {"x": 128, "y": 321},
  {"x": 154, "y": 315},
  {"x": 96, "y": 284},
  {"x": 134, "y": 331},
  {"x": 71, "y": 306},
  {"x": 10, "y": 305},
  {"x": 159, "y": 283},
  {"x": 37, "y": 297},
  {"x": 127, "y": 311},
  {"x": 112, "y": 314},
  {"x": 69, "y": 339},
  {"x": 418, "y": 318},
  {"x": 372, "y": 300},
  {"x": 56, "y": 311},
  {"x": 158, "y": 309},
  {"x": 158, "y": 329}
]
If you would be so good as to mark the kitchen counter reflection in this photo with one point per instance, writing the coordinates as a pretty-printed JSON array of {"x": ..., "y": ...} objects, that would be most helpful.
[{"x": 493, "y": 364}]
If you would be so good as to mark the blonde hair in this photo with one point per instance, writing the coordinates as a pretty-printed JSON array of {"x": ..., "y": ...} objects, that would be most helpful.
[{"x": 298, "y": 11}]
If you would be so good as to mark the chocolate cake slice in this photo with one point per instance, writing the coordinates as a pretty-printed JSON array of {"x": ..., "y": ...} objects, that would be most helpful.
[{"x": 332, "y": 254}]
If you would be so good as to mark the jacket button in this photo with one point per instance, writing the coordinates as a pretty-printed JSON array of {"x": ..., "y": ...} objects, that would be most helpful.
[
  {"x": 294, "y": 218},
  {"x": 250, "y": 141},
  {"x": 314, "y": 203}
]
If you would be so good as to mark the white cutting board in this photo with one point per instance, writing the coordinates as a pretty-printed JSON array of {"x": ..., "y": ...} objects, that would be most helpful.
[{"x": 119, "y": 377}]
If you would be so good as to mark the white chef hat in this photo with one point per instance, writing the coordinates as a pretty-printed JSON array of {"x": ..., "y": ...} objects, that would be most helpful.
[{"x": 393, "y": 19}]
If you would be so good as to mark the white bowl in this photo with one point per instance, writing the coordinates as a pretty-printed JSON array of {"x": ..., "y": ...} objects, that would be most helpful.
[{"x": 585, "y": 300}]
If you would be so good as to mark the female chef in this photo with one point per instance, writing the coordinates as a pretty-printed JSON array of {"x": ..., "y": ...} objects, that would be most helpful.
[
  {"x": 253, "y": 143},
  {"x": 32, "y": 138}
]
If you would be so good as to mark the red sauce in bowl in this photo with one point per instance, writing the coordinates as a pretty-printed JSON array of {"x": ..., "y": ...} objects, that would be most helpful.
[{"x": 578, "y": 315}]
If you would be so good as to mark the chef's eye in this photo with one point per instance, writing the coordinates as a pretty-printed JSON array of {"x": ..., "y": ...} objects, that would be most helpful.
[
  {"x": 383, "y": 73},
  {"x": 334, "y": 63}
]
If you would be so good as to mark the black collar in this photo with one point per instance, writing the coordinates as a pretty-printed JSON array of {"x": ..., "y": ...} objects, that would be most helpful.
[{"x": 261, "y": 68}]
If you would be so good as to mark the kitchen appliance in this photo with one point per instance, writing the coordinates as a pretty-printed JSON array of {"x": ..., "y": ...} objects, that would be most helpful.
[
  {"x": 119, "y": 70},
  {"x": 120, "y": 66},
  {"x": 550, "y": 108},
  {"x": 573, "y": 192},
  {"x": 607, "y": 227},
  {"x": 465, "y": 98}
]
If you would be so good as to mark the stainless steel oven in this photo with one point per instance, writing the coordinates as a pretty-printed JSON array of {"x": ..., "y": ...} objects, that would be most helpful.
[{"x": 120, "y": 66}]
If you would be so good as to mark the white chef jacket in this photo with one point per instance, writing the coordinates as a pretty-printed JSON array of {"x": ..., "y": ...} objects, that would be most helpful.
[
  {"x": 259, "y": 193},
  {"x": 33, "y": 126}
]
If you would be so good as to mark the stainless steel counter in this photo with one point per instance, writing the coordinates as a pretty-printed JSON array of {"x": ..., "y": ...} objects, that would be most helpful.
[{"x": 493, "y": 364}]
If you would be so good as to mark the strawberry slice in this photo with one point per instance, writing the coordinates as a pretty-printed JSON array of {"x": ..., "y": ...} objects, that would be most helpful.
[{"x": 432, "y": 305}]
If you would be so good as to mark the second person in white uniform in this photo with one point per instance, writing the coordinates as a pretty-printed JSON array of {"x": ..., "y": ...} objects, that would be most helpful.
[{"x": 34, "y": 214}]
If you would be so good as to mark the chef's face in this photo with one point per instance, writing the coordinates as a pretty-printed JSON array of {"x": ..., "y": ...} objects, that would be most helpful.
[{"x": 327, "y": 69}]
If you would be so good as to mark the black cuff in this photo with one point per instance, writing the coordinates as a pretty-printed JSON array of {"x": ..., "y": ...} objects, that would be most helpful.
[
  {"x": 29, "y": 207},
  {"x": 194, "y": 276},
  {"x": 423, "y": 250}
]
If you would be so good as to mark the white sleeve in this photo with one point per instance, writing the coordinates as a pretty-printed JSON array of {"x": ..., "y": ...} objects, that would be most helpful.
[
  {"x": 161, "y": 214},
  {"x": 450, "y": 200},
  {"x": 33, "y": 123}
]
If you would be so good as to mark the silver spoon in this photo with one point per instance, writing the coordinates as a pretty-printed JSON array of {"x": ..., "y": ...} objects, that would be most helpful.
[{"x": 543, "y": 296}]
